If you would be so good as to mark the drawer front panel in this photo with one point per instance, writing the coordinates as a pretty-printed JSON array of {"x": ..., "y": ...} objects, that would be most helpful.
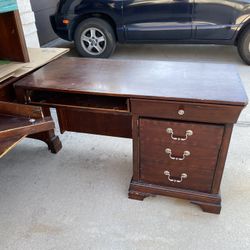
[
  {"x": 198, "y": 164},
  {"x": 186, "y": 111},
  {"x": 95, "y": 122}
]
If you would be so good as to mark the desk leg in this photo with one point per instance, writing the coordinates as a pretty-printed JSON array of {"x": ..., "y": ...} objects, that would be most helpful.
[
  {"x": 49, "y": 137},
  {"x": 214, "y": 208},
  {"x": 137, "y": 195}
]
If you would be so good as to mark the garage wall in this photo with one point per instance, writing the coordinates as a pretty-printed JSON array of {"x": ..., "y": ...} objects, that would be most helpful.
[
  {"x": 28, "y": 22},
  {"x": 42, "y": 10}
]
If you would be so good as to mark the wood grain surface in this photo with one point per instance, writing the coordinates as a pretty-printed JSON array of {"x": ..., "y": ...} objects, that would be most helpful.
[
  {"x": 12, "y": 42},
  {"x": 203, "y": 145},
  {"x": 192, "y": 82}
]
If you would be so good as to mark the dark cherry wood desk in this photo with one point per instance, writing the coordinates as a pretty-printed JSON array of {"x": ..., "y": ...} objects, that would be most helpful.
[{"x": 179, "y": 115}]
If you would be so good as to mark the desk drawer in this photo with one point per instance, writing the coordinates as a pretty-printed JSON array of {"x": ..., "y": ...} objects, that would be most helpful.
[
  {"x": 186, "y": 111},
  {"x": 76, "y": 100},
  {"x": 164, "y": 158}
]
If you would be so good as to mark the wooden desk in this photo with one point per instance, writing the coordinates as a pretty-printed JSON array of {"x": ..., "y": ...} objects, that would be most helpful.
[{"x": 179, "y": 115}]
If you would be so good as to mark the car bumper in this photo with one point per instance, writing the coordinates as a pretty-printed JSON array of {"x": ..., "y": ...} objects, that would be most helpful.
[{"x": 61, "y": 29}]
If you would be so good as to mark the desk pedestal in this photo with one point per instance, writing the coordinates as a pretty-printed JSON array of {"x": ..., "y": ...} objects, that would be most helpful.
[{"x": 180, "y": 150}]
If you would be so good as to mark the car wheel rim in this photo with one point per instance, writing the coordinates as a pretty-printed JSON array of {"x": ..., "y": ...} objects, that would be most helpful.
[{"x": 93, "y": 41}]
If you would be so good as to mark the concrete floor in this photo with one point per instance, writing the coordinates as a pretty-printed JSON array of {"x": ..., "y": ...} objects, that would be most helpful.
[{"x": 77, "y": 199}]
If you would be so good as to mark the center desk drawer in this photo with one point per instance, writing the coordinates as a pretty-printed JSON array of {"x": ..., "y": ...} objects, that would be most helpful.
[
  {"x": 210, "y": 113},
  {"x": 179, "y": 154}
]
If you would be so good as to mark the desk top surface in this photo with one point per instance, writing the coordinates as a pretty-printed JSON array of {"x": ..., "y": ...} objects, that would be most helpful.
[{"x": 193, "y": 82}]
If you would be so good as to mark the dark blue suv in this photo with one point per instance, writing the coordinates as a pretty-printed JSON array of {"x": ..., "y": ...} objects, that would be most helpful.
[{"x": 96, "y": 25}]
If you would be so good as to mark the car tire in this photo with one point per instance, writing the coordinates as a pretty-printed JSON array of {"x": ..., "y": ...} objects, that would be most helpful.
[
  {"x": 95, "y": 38},
  {"x": 244, "y": 46}
]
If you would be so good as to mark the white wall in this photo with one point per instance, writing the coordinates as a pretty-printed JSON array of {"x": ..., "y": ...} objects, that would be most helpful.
[{"x": 28, "y": 22}]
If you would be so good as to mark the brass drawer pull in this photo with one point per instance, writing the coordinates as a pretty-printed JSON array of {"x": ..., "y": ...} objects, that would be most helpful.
[
  {"x": 181, "y": 112},
  {"x": 169, "y": 152},
  {"x": 32, "y": 120},
  {"x": 183, "y": 176},
  {"x": 171, "y": 131}
]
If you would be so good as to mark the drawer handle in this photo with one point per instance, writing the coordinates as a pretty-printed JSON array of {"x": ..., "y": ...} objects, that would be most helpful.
[
  {"x": 169, "y": 152},
  {"x": 181, "y": 112},
  {"x": 183, "y": 176},
  {"x": 171, "y": 131}
]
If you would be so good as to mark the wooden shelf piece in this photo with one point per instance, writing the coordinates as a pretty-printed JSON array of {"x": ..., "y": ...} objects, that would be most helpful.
[
  {"x": 12, "y": 42},
  {"x": 18, "y": 121}
]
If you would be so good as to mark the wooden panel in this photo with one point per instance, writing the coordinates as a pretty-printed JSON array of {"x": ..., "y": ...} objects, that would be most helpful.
[
  {"x": 8, "y": 122},
  {"x": 203, "y": 146},
  {"x": 14, "y": 128},
  {"x": 192, "y": 112},
  {"x": 19, "y": 126},
  {"x": 7, "y": 92},
  {"x": 202, "y": 134},
  {"x": 20, "y": 110},
  {"x": 8, "y": 143},
  {"x": 144, "y": 79},
  {"x": 222, "y": 158},
  {"x": 12, "y": 42},
  {"x": 103, "y": 123}
]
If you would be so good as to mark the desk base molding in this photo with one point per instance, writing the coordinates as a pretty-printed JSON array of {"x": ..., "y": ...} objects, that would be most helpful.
[{"x": 210, "y": 203}]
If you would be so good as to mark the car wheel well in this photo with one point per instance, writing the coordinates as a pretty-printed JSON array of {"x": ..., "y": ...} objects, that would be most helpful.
[
  {"x": 102, "y": 16},
  {"x": 242, "y": 30}
]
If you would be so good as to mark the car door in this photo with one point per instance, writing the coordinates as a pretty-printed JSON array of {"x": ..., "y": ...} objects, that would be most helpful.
[
  {"x": 216, "y": 19},
  {"x": 157, "y": 20}
]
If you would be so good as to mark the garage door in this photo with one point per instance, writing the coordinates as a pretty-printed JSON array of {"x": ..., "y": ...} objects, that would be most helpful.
[{"x": 43, "y": 9}]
